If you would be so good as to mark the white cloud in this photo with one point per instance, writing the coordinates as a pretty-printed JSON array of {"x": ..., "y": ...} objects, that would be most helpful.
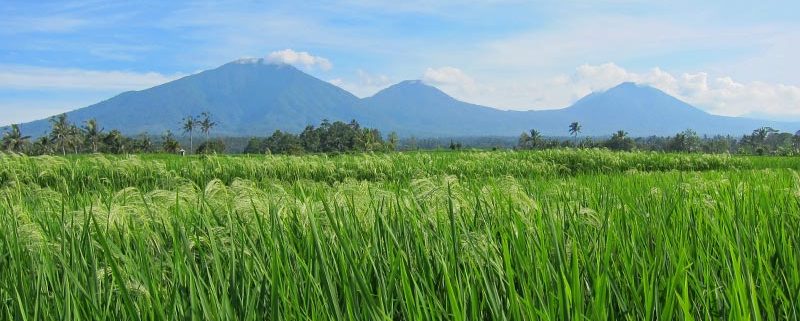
[
  {"x": 365, "y": 83},
  {"x": 48, "y": 24},
  {"x": 63, "y": 89},
  {"x": 449, "y": 77},
  {"x": 458, "y": 84},
  {"x": 576, "y": 39},
  {"x": 722, "y": 95},
  {"x": 16, "y": 112},
  {"x": 717, "y": 94},
  {"x": 373, "y": 80},
  {"x": 29, "y": 77},
  {"x": 301, "y": 58}
]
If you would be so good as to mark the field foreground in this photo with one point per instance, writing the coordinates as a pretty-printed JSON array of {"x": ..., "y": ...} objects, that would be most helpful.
[{"x": 549, "y": 235}]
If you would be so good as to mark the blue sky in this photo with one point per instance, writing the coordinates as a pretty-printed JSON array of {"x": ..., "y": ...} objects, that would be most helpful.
[{"x": 727, "y": 57}]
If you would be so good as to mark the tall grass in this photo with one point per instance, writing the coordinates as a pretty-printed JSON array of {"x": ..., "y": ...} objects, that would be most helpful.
[
  {"x": 423, "y": 236},
  {"x": 78, "y": 174}
]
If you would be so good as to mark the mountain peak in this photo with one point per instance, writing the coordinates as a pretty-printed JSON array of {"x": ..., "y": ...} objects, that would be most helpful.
[
  {"x": 632, "y": 88},
  {"x": 411, "y": 84},
  {"x": 628, "y": 85},
  {"x": 259, "y": 62},
  {"x": 412, "y": 88},
  {"x": 249, "y": 96},
  {"x": 248, "y": 60},
  {"x": 629, "y": 104}
]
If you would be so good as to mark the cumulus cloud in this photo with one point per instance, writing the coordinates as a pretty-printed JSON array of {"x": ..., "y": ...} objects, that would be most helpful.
[
  {"x": 721, "y": 95},
  {"x": 448, "y": 77},
  {"x": 717, "y": 94},
  {"x": 456, "y": 83},
  {"x": 28, "y": 77},
  {"x": 299, "y": 58}
]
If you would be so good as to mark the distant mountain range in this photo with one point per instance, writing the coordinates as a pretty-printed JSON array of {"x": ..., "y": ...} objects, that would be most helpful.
[{"x": 254, "y": 98}]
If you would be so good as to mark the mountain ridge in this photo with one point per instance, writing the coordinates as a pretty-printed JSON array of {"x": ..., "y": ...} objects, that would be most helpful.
[{"x": 252, "y": 97}]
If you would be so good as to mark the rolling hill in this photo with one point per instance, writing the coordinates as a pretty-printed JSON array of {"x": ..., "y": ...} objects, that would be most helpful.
[{"x": 254, "y": 98}]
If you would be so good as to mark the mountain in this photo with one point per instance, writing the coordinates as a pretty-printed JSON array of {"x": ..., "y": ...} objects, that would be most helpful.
[
  {"x": 252, "y": 97},
  {"x": 413, "y": 108},
  {"x": 246, "y": 97},
  {"x": 643, "y": 110},
  {"x": 627, "y": 104}
]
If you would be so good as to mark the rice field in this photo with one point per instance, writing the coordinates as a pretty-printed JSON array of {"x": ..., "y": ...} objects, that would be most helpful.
[{"x": 535, "y": 235}]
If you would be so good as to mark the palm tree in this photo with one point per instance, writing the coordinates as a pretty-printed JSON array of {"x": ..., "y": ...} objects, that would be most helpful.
[
  {"x": 536, "y": 136},
  {"x": 144, "y": 144},
  {"x": 620, "y": 141},
  {"x": 392, "y": 142},
  {"x": 60, "y": 131},
  {"x": 189, "y": 124},
  {"x": 574, "y": 129},
  {"x": 75, "y": 137},
  {"x": 13, "y": 139},
  {"x": 760, "y": 135},
  {"x": 114, "y": 142},
  {"x": 206, "y": 124},
  {"x": 169, "y": 143},
  {"x": 93, "y": 132},
  {"x": 42, "y": 146}
]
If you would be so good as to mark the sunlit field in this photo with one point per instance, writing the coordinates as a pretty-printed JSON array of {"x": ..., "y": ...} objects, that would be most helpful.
[{"x": 535, "y": 235}]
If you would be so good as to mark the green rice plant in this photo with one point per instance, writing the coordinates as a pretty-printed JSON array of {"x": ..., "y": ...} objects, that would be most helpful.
[{"x": 546, "y": 235}]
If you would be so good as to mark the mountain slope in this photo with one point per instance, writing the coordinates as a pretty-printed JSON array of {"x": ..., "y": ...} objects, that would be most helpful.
[
  {"x": 414, "y": 108},
  {"x": 642, "y": 110},
  {"x": 247, "y": 97},
  {"x": 251, "y": 97}
]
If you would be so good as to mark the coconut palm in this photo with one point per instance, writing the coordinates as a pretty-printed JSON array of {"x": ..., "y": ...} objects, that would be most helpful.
[
  {"x": 144, "y": 144},
  {"x": 115, "y": 142},
  {"x": 75, "y": 138},
  {"x": 392, "y": 141},
  {"x": 574, "y": 129},
  {"x": 620, "y": 141},
  {"x": 206, "y": 124},
  {"x": 60, "y": 132},
  {"x": 13, "y": 139},
  {"x": 189, "y": 124},
  {"x": 760, "y": 135},
  {"x": 169, "y": 143},
  {"x": 93, "y": 134},
  {"x": 42, "y": 146},
  {"x": 536, "y": 136}
]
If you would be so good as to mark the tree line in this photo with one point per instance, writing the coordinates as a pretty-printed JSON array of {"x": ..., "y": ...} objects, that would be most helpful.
[
  {"x": 762, "y": 141},
  {"x": 329, "y": 137},
  {"x": 66, "y": 137}
]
